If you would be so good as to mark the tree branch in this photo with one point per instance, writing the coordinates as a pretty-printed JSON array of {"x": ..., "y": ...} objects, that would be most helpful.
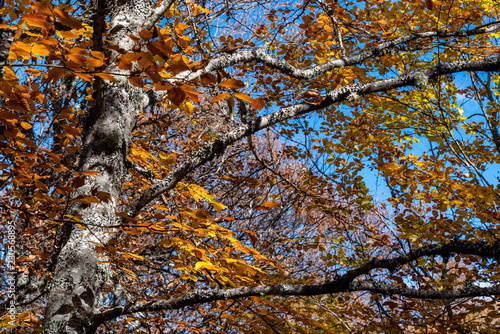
[
  {"x": 392, "y": 289},
  {"x": 259, "y": 55},
  {"x": 158, "y": 13},
  {"x": 6, "y": 39},
  {"x": 217, "y": 147},
  {"x": 343, "y": 283}
]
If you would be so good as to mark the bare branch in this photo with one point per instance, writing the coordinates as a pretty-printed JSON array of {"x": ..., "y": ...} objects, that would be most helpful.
[
  {"x": 344, "y": 283},
  {"x": 158, "y": 13},
  {"x": 284, "y": 67},
  {"x": 219, "y": 145},
  {"x": 6, "y": 39}
]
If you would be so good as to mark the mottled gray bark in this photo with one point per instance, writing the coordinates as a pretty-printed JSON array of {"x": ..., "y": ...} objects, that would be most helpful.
[
  {"x": 6, "y": 39},
  {"x": 74, "y": 296}
]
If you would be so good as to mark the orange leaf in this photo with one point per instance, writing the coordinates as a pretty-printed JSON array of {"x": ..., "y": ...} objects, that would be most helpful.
[
  {"x": 189, "y": 89},
  {"x": 71, "y": 130},
  {"x": 66, "y": 19},
  {"x": 220, "y": 97},
  {"x": 429, "y": 4},
  {"x": 271, "y": 205},
  {"x": 69, "y": 35},
  {"x": 243, "y": 97},
  {"x": 136, "y": 81},
  {"x": 106, "y": 76},
  {"x": 98, "y": 55},
  {"x": 163, "y": 86},
  {"x": 233, "y": 83},
  {"x": 191, "y": 92},
  {"x": 310, "y": 93},
  {"x": 258, "y": 103},
  {"x": 26, "y": 126},
  {"x": 178, "y": 63},
  {"x": 54, "y": 74},
  {"x": 84, "y": 76},
  {"x": 91, "y": 172},
  {"x": 159, "y": 48},
  {"x": 317, "y": 102},
  {"x": 33, "y": 72},
  {"x": 40, "y": 50},
  {"x": 28, "y": 258},
  {"x": 36, "y": 20},
  {"x": 95, "y": 62},
  {"x": 146, "y": 34}
]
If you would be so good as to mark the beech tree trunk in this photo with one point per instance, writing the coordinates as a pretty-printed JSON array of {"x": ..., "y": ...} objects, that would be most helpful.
[{"x": 79, "y": 278}]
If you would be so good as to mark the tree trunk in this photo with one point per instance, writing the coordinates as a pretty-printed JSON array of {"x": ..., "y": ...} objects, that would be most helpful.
[{"x": 79, "y": 278}]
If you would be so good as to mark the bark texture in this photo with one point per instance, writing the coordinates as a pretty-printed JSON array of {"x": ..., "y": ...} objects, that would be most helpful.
[{"x": 74, "y": 297}]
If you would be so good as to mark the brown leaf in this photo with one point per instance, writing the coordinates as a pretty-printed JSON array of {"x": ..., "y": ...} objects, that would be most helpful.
[
  {"x": 163, "y": 86},
  {"x": 146, "y": 34},
  {"x": 258, "y": 103},
  {"x": 208, "y": 79},
  {"x": 200, "y": 65},
  {"x": 66, "y": 19},
  {"x": 176, "y": 95},
  {"x": 317, "y": 102},
  {"x": 230, "y": 48},
  {"x": 310, "y": 93},
  {"x": 78, "y": 182},
  {"x": 159, "y": 48},
  {"x": 136, "y": 81},
  {"x": 233, "y": 83}
]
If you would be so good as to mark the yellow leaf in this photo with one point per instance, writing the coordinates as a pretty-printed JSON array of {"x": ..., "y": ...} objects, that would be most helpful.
[
  {"x": 199, "y": 193},
  {"x": 236, "y": 244},
  {"x": 218, "y": 206},
  {"x": 204, "y": 265},
  {"x": 128, "y": 255},
  {"x": 40, "y": 50}
]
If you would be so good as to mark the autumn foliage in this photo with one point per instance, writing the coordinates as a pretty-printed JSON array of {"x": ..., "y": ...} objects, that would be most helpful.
[{"x": 250, "y": 166}]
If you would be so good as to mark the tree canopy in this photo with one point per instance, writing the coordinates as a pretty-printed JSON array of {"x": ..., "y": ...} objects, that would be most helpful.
[{"x": 194, "y": 166}]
